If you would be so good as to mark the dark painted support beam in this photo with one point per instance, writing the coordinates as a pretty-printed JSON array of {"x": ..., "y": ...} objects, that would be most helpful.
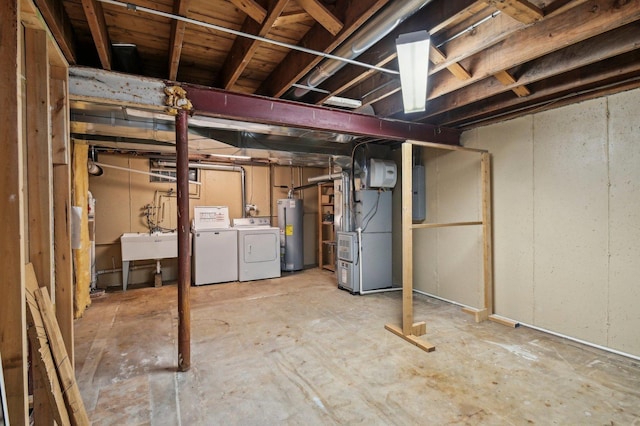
[
  {"x": 258, "y": 109},
  {"x": 184, "y": 258}
]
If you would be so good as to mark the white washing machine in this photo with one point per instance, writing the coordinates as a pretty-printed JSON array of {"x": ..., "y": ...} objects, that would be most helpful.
[
  {"x": 258, "y": 248},
  {"x": 215, "y": 245}
]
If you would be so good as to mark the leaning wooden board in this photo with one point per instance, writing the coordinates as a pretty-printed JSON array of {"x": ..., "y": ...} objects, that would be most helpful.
[
  {"x": 74, "y": 404},
  {"x": 40, "y": 345}
]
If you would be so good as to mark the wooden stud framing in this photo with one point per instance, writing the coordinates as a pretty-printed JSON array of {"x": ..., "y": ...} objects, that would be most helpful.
[
  {"x": 487, "y": 233},
  {"x": 407, "y": 241},
  {"x": 13, "y": 343},
  {"x": 410, "y": 330},
  {"x": 61, "y": 159},
  {"x": 39, "y": 178},
  {"x": 39, "y": 193}
]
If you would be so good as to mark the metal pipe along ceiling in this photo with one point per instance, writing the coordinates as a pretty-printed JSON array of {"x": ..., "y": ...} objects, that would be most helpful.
[
  {"x": 221, "y": 167},
  {"x": 372, "y": 32}
]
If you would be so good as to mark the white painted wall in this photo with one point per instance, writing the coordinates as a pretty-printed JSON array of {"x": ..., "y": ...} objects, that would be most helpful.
[{"x": 566, "y": 206}]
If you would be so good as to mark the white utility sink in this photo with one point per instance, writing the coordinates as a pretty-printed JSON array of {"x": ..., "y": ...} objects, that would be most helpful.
[{"x": 141, "y": 246}]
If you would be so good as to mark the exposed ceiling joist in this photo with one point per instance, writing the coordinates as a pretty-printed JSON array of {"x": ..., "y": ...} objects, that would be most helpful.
[
  {"x": 323, "y": 15},
  {"x": 180, "y": 8},
  {"x": 297, "y": 64},
  {"x": 252, "y": 9},
  {"x": 588, "y": 52},
  {"x": 552, "y": 34},
  {"x": 587, "y": 20},
  {"x": 384, "y": 50},
  {"x": 98, "y": 26},
  {"x": 437, "y": 57},
  {"x": 58, "y": 22},
  {"x": 243, "y": 48},
  {"x": 520, "y": 10},
  {"x": 547, "y": 93},
  {"x": 507, "y": 79}
]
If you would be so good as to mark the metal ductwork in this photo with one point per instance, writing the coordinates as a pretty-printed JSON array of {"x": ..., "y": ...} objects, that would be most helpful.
[
  {"x": 372, "y": 32},
  {"x": 221, "y": 167}
]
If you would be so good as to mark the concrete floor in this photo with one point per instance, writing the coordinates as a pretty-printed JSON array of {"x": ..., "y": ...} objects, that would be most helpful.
[{"x": 297, "y": 350}]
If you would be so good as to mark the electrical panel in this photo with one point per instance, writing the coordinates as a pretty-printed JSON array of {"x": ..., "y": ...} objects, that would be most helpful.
[{"x": 419, "y": 195}]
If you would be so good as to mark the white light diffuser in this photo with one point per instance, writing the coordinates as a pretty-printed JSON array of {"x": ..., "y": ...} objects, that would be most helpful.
[{"x": 413, "y": 60}]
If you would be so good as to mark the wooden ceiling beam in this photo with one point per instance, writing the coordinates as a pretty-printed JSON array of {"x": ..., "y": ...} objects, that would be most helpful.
[
  {"x": 580, "y": 55},
  {"x": 463, "y": 11},
  {"x": 553, "y": 33},
  {"x": 180, "y": 7},
  {"x": 60, "y": 26},
  {"x": 507, "y": 79},
  {"x": 520, "y": 10},
  {"x": 384, "y": 51},
  {"x": 588, "y": 19},
  {"x": 98, "y": 26},
  {"x": 252, "y": 8},
  {"x": 244, "y": 48},
  {"x": 297, "y": 64},
  {"x": 551, "y": 91},
  {"x": 290, "y": 18},
  {"x": 323, "y": 15}
]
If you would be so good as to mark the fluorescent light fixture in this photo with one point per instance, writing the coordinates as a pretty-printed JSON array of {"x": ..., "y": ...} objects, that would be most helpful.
[
  {"x": 236, "y": 157},
  {"x": 343, "y": 102},
  {"x": 413, "y": 60}
]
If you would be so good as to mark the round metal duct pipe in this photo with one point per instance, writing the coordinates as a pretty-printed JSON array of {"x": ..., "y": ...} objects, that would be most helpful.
[{"x": 372, "y": 32}]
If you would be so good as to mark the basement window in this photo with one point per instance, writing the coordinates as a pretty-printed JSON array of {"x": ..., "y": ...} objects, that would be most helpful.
[{"x": 170, "y": 173}]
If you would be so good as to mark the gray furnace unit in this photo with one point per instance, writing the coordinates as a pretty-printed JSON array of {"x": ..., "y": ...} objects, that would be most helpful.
[{"x": 291, "y": 243}]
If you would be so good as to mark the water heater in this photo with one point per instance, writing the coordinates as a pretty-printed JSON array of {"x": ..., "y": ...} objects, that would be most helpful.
[{"x": 291, "y": 243}]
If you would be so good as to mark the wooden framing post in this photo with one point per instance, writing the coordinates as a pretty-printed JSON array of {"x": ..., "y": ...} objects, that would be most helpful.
[
  {"x": 62, "y": 253},
  {"x": 487, "y": 236},
  {"x": 39, "y": 176},
  {"x": 407, "y": 240},
  {"x": 184, "y": 261},
  {"x": 13, "y": 342},
  {"x": 411, "y": 330}
]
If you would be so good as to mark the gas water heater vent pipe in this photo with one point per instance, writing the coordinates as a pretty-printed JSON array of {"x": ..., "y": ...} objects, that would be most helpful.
[
  {"x": 372, "y": 32},
  {"x": 220, "y": 167}
]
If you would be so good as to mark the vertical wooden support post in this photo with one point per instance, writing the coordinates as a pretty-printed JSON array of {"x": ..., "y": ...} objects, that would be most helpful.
[
  {"x": 184, "y": 261},
  {"x": 62, "y": 254},
  {"x": 407, "y": 240},
  {"x": 39, "y": 175},
  {"x": 13, "y": 326},
  {"x": 487, "y": 235},
  {"x": 39, "y": 194}
]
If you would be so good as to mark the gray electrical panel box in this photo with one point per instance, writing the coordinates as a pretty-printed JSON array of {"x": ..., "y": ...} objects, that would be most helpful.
[{"x": 419, "y": 195}]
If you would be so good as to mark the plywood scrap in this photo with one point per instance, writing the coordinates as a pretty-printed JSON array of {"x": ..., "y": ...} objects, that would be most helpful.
[{"x": 41, "y": 349}]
